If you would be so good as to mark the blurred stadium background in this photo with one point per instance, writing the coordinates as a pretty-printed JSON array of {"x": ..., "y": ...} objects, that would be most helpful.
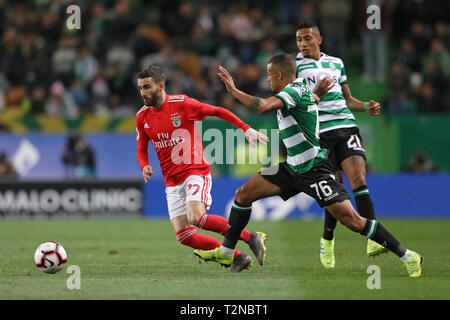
[{"x": 68, "y": 98}]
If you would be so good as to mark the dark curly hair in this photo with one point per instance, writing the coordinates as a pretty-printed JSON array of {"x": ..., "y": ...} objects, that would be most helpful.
[{"x": 153, "y": 71}]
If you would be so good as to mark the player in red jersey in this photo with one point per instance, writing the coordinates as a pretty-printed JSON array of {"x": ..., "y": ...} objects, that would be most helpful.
[{"x": 168, "y": 121}]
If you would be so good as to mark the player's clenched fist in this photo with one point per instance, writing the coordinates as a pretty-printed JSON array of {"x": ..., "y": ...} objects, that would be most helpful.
[
  {"x": 147, "y": 172},
  {"x": 374, "y": 108}
]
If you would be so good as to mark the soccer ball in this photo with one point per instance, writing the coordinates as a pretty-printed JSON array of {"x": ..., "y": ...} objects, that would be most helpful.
[{"x": 50, "y": 257}]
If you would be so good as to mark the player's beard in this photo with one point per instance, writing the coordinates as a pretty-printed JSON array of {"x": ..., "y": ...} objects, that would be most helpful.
[{"x": 153, "y": 99}]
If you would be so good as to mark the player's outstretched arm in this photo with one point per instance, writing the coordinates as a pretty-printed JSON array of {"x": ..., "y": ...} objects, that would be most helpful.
[
  {"x": 261, "y": 105},
  {"x": 198, "y": 111},
  {"x": 372, "y": 107}
]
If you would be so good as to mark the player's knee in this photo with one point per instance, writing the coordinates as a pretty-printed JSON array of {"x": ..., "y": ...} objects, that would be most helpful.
[
  {"x": 242, "y": 196},
  {"x": 357, "y": 180},
  {"x": 194, "y": 212},
  {"x": 193, "y": 217}
]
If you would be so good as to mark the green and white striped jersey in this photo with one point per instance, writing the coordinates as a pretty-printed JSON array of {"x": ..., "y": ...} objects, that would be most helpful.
[
  {"x": 333, "y": 110},
  {"x": 299, "y": 127}
]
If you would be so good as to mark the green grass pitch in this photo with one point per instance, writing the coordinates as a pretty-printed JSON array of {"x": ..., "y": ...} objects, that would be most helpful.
[{"x": 140, "y": 259}]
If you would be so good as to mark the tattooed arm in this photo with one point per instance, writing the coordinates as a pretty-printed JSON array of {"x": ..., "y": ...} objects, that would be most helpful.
[{"x": 261, "y": 105}]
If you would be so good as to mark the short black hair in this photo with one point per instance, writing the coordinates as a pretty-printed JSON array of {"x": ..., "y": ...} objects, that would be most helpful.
[
  {"x": 307, "y": 22},
  {"x": 153, "y": 71},
  {"x": 285, "y": 62}
]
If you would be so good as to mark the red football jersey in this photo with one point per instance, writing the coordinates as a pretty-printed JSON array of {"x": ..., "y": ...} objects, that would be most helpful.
[{"x": 172, "y": 130}]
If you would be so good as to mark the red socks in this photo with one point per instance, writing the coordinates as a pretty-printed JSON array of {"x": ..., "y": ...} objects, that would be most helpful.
[
  {"x": 219, "y": 224},
  {"x": 190, "y": 237}
]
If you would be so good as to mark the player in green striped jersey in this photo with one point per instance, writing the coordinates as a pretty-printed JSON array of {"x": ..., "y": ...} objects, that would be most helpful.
[
  {"x": 325, "y": 75},
  {"x": 307, "y": 168}
]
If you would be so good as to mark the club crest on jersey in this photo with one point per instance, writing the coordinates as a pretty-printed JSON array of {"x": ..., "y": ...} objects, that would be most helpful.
[
  {"x": 332, "y": 66},
  {"x": 176, "y": 119}
]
